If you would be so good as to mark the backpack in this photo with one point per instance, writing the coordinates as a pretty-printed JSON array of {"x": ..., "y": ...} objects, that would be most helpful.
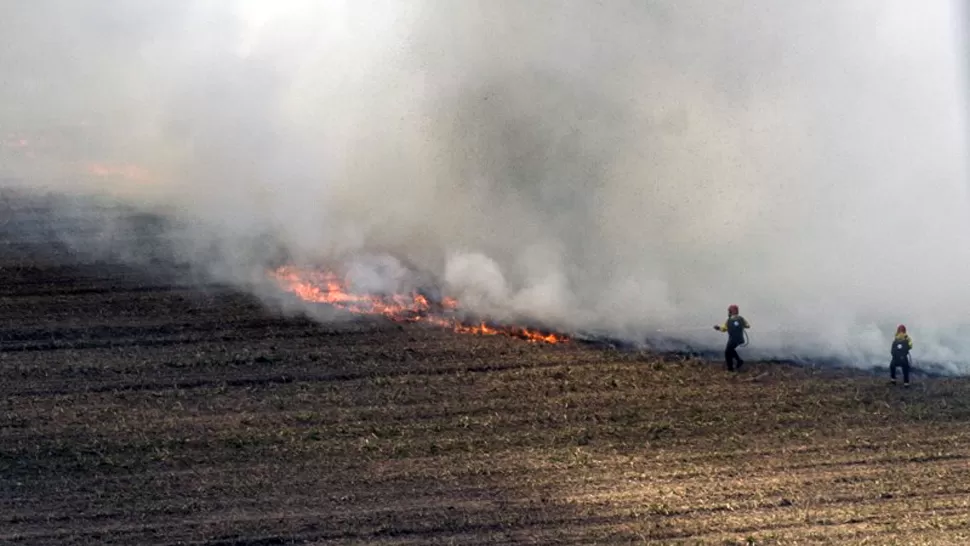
[
  {"x": 900, "y": 348},
  {"x": 735, "y": 327}
]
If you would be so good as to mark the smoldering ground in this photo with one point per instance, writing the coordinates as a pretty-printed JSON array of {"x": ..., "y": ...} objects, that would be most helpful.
[{"x": 624, "y": 167}]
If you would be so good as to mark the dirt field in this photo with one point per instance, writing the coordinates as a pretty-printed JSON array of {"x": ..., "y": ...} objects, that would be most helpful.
[{"x": 139, "y": 410}]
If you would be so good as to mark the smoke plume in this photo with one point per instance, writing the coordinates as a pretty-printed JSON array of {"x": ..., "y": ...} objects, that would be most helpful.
[{"x": 626, "y": 167}]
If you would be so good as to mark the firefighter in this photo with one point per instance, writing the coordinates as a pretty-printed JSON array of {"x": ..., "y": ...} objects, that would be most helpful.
[
  {"x": 734, "y": 326},
  {"x": 902, "y": 344}
]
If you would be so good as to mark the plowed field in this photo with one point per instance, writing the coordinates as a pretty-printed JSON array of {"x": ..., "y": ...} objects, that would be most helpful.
[{"x": 136, "y": 408}]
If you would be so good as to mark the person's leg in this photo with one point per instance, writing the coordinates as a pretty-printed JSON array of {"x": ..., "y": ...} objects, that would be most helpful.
[
  {"x": 906, "y": 371},
  {"x": 733, "y": 356},
  {"x": 729, "y": 357},
  {"x": 892, "y": 370}
]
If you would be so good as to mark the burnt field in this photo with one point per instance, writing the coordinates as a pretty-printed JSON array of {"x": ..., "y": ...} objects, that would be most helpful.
[{"x": 140, "y": 408}]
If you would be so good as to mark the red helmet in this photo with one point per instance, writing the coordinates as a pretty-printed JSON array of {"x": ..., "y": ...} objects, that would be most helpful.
[
  {"x": 901, "y": 329},
  {"x": 732, "y": 309}
]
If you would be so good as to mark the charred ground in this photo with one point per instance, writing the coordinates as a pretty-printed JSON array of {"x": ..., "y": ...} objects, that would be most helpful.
[{"x": 143, "y": 408}]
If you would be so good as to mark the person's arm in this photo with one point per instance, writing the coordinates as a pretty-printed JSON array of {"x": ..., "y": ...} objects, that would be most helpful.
[{"x": 721, "y": 327}]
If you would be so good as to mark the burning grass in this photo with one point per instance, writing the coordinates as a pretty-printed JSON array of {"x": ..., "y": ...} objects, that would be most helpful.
[{"x": 329, "y": 288}]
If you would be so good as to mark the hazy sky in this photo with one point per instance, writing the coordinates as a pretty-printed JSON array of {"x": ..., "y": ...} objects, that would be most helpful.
[{"x": 623, "y": 165}]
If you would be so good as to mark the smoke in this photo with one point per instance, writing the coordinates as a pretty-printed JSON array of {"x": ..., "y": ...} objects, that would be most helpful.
[{"x": 625, "y": 167}]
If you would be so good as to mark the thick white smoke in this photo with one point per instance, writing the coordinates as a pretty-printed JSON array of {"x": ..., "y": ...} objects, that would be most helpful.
[{"x": 628, "y": 167}]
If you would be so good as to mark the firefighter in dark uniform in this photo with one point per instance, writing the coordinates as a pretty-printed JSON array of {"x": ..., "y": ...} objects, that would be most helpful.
[
  {"x": 734, "y": 326},
  {"x": 902, "y": 344}
]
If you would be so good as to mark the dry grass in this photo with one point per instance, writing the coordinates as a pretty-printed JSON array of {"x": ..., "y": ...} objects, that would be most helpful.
[{"x": 158, "y": 416}]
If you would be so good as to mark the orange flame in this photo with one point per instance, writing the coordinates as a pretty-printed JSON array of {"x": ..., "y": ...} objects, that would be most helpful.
[{"x": 326, "y": 287}]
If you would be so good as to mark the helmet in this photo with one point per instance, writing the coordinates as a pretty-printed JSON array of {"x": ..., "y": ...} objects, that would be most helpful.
[
  {"x": 732, "y": 309},
  {"x": 901, "y": 329}
]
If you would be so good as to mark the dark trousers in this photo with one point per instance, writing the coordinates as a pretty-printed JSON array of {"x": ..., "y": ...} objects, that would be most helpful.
[
  {"x": 731, "y": 355},
  {"x": 900, "y": 362}
]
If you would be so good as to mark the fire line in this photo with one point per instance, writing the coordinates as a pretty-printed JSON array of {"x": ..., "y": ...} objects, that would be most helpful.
[{"x": 328, "y": 288}]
